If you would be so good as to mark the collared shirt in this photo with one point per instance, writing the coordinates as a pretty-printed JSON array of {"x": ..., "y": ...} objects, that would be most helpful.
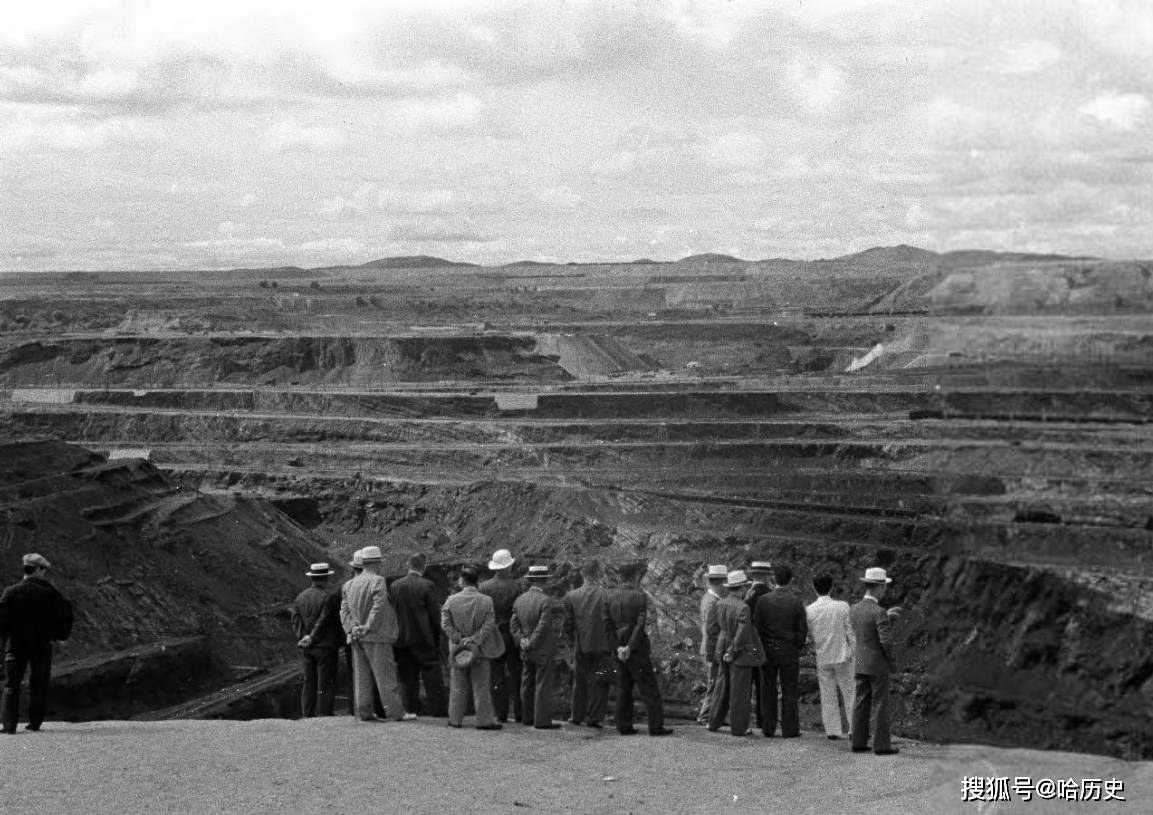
[{"x": 830, "y": 630}]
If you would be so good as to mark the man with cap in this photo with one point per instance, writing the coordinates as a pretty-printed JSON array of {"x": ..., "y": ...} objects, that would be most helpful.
[
  {"x": 32, "y": 614},
  {"x": 761, "y": 575},
  {"x": 737, "y": 650},
  {"x": 535, "y": 620},
  {"x": 593, "y": 665},
  {"x": 469, "y": 622},
  {"x": 780, "y": 620},
  {"x": 506, "y": 671},
  {"x": 418, "y": 652},
  {"x": 315, "y": 618},
  {"x": 627, "y": 612},
  {"x": 873, "y": 663},
  {"x": 832, "y": 637},
  {"x": 370, "y": 623},
  {"x": 715, "y": 576}
]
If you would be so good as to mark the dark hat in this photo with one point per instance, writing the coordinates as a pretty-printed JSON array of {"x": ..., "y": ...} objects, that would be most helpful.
[{"x": 538, "y": 573}]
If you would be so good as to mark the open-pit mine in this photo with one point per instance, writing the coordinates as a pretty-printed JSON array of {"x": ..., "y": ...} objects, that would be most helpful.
[{"x": 183, "y": 445}]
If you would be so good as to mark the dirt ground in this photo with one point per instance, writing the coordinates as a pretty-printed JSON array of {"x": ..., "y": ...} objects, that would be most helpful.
[{"x": 338, "y": 765}]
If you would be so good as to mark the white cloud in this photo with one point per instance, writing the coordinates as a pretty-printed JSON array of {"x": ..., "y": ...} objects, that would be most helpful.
[
  {"x": 1028, "y": 57},
  {"x": 291, "y": 135},
  {"x": 740, "y": 148},
  {"x": 1121, "y": 111}
]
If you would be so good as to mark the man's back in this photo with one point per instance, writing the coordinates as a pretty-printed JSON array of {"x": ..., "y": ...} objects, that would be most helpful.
[
  {"x": 873, "y": 651},
  {"x": 627, "y": 610},
  {"x": 364, "y": 601},
  {"x": 829, "y": 625},
  {"x": 309, "y": 607},
  {"x": 780, "y": 619},
  {"x": 417, "y": 610},
  {"x": 503, "y": 591},
  {"x": 32, "y": 612},
  {"x": 586, "y": 612},
  {"x": 533, "y": 612}
]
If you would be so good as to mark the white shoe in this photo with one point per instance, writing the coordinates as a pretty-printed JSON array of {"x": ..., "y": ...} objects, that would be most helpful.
[{"x": 408, "y": 717}]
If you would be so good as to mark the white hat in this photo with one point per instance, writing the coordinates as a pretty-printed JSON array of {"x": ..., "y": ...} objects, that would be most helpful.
[
  {"x": 501, "y": 559},
  {"x": 36, "y": 560},
  {"x": 761, "y": 566},
  {"x": 537, "y": 572},
  {"x": 875, "y": 575},
  {"x": 736, "y": 579},
  {"x": 318, "y": 570},
  {"x": 717, "y": 570},
  {"x": 370, "y": 554},
  {"x": 357, "y": 561}
]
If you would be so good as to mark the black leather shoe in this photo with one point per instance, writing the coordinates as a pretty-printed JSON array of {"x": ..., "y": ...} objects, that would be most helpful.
[
  {"x": 490, "y": 727},
  {"x": 832, "y": 738},
  {"x": 596, "y": 725},
  {"x": 860, "y": 749},
  {"x": 546, "y": 726},
  {"x": 632, "y": 731},
  {"x": 664, "y": 731},
  {"x": 892, "y": 751}
]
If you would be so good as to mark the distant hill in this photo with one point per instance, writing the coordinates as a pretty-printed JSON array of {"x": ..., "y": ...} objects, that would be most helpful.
[
  {"x": 411, "y": 262},
  {"x": 902, "y": 254},
  {"x": 531, "y": 263},
  {"x": 710, "y": 257}
]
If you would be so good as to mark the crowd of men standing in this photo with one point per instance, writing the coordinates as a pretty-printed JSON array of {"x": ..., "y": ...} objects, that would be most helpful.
[{"x": 503, "y": 638}]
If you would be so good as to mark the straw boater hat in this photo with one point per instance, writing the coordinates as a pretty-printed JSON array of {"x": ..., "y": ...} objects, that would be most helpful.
[
  {"x": 876, "y": 576},
  {"x": 736, "y": 579},
  {"x": 34, "y": 559},
  {"x": 716, "y": 570},
  {"x": 370, "y": 554},
  {"x": 319, "y": 570},
  {"x": 760, "y": 567},
  {"x": 501, "y": 559},
  {"x": 538, "y": 573}
]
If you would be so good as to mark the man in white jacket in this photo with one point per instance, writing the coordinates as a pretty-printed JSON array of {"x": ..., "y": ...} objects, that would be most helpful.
[{"x": 832, "y": 637}]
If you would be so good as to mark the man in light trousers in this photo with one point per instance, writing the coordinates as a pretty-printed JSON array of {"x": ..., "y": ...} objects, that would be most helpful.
[
  {"x": 370, "y": 622},
  {"x": 833, "y": 641}
]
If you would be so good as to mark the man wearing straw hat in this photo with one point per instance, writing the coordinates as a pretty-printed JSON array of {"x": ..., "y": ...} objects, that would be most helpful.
[
  {"x": 535, "y": 619},
  {"x": 370, "y": 622},
  {"x": 316, "y": 621},
  {"x": 715, "y": 576},
  {"x": 761, "y": 583},
  {"x": 506, "y": 671},
  {"x": 873, "y": 660},
  {"x": 738, "y": 650},
  {"x": 469, "y": 622}
]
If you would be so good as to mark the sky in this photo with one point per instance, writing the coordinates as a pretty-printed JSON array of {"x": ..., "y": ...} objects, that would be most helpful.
[{"x": 223, "y": 133}]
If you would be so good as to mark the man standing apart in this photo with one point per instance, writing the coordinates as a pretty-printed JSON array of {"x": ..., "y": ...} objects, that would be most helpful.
[
  {"x": 715, "y": 576},
  {"x": 503, "y": 588},
  {"x": 760, "y": 573},
  {"x": 628, "y": 611},
  {"x": 32, "y": 614},
  {"x": 592, "y": 653},
  {"x": 316, "y": 621},
  {"x": 873, "y": 663},
  {"x": 781, "y": 622},
  {"x": 469, "y": 622},
  {"x": 370, "y": 622},
  {"x": 833, "y": 642},
  {"x": 534, "y": 627},
  {"x": 418, "y": 644},
  {"x": 737, "y": 649}
]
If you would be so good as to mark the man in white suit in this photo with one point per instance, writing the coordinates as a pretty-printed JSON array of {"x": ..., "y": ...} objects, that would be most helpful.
[
  {"x": 370, "y": 623},
  {"x": 832, "y": 638}
]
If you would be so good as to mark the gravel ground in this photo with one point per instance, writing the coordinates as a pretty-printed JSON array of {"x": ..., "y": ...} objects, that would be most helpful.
[{"x": 341, "y": 766}]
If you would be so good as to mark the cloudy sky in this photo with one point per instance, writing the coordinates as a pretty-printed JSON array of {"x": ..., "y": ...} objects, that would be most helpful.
[{"x": 224, "y": 133}]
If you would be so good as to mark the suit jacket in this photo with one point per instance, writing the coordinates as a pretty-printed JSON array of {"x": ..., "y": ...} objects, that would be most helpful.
[
  {"x": 707, "y": 603},
  {"x": 736, "y": 635},
  {"x": 535, "y": 618},
  {"x": 781, "y": 621},
  {"x": 468, "y": 613},
  {"x": 503, "y": 591},
  {"x": 316, "y": 612},
  {"x": 755, "y": 593},
  {"x": 364, "y": 601},
  {"x": 417, "y": 611},
  {"x": 628, "y": 612},
  {"x": 830, "y": 629},
  {"x": 873, "y": 652},
  {"x": 585, "y": 619},
  {"x": 33, "y": 612}
]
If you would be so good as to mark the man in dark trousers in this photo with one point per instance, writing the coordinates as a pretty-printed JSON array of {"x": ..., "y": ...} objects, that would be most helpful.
[
  {"x": 873, "y": 663},
  {"x": 593, "y": 666},
  {"x": 316, "y": 621},
  {"x": 781, "y": 621},
  {"x": 536, "y": 618},
  {"x": 627, "y": 610},
  {"x": 737, "y": 650},
  {"x": 760, "y": 573},
  {"x": 32, "y": 614},
  {"x": 418, "y": 649},
  {"x": 506, "y": 669}
]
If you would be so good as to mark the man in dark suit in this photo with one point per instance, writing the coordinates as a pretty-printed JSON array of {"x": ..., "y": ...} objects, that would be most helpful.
[
  {"x": 627, "y": 611},
  {"x": 781, "y": 621},
  {"x": 535, "y": 624},
  {"x": 761, "y": 575},
  {"x": 506, "y": 672},
  {"x": 737, "y": 649},
  {"x": 418, "y": 645},
  {"x": 593, "y": 667},
  {"x": 315, "y": 618},
  {"x": 32, "y": 614},
  {"x": 873, "y": 663}
]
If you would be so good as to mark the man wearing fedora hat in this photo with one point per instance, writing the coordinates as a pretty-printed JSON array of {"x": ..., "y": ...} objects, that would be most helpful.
[
  {"x": 315, "y": 618},
  {"x": 628, "y": 615},
  {"x": 469, "y": 622},
  {"x": 507, "y": 669},
  {"x": 873, "y": 663},
  {"x": 738, "y": 650},
  {"x": 370, "y": 623},
  {"x": 33, "y": 613},
  {"x": 761, "y": 583},
  {"x": 715, "y": 575},
  {"x": 534, "y": 624},
  {"x": 418, "y": 648}
]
